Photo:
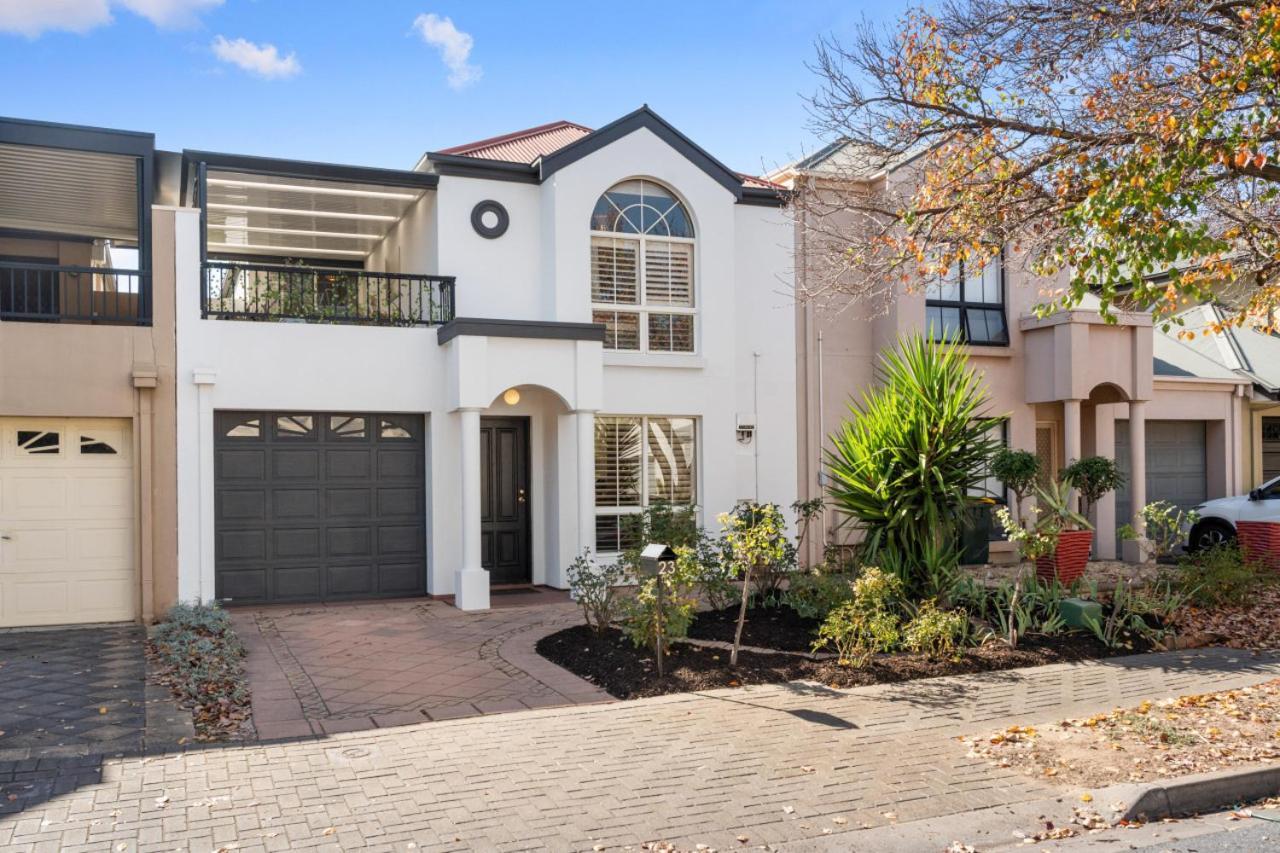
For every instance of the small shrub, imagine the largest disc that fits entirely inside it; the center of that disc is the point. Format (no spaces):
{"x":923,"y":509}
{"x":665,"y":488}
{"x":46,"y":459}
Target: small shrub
{"x":674,"y":525}
{"x":1125,"y":620}
{"x":866,"y":624}
{"x":595,"y":588}
{"x":1031,"y":542}
{"x":201,"y":660}
{"x":856,"y":634}
{"x":1017,"y":470}
{"x":715,"y":575}
{"x":755,"y":539}
{"x":935,"y":633}
{"x":815,"y":593}
{"x":970,"y":595}
{"x":876,"y":590}
{"x":640,"y":614}
{"x":1094,"y":477}
{"x":1166,"y":527}
{"x":1217,"y":575}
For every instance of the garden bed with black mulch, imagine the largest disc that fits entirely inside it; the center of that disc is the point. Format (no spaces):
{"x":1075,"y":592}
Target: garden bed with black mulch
{"x":611,"y":661}
{"x":767,"y":627}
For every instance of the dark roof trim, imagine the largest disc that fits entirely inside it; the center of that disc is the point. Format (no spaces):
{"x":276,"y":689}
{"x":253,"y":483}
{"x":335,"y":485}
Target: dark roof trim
{"x":48,"y":134}
{"x":462,"y":166}
{"x":646,"y":118}
{"x":537,"y":329}
{"x":312,"y":170}
{"x":765,"y":197}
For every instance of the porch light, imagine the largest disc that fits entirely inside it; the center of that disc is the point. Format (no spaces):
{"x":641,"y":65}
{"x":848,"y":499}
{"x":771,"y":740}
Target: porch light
{"x":511,"y":396}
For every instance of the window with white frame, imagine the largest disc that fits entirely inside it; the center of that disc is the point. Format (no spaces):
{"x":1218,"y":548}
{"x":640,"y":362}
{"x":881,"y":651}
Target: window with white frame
{"x":967,"y":304}
{"x":640,"y":461}
{"x":642,"y":269}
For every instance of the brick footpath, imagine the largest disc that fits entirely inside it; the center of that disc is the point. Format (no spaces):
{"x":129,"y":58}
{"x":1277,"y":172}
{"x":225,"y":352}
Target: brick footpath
{"x":775,"y":764}
{"x":326,"y":669}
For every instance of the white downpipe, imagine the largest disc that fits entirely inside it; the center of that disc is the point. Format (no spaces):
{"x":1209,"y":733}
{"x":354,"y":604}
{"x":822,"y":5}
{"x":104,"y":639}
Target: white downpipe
{"x":755,"y":406}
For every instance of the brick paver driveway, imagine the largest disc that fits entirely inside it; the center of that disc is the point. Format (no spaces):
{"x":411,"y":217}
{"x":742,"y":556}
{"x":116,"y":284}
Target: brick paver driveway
{"x":72,"y":691}
{"x":346,"y":667}
{"x":777,"y":765}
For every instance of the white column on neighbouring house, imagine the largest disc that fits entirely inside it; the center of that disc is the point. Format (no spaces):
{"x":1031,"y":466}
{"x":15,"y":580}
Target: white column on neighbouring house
{"x":471,"y":581}
{"x":586,"y":479}
{"x":1137,"y":463}
{"x":1071,"y":437}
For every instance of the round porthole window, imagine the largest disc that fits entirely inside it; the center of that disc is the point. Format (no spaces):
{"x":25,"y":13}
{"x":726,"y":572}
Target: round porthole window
{"x":490,"y":219}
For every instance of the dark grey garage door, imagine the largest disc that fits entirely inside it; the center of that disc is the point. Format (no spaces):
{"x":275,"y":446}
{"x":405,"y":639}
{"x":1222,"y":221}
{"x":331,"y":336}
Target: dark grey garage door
{"x":314,"y":506}
{"x":1175,"y":464}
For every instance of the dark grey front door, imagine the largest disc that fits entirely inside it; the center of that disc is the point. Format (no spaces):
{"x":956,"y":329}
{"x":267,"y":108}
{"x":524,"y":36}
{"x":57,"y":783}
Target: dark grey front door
{"x":504,"y":499}
{"x":318,"y":506}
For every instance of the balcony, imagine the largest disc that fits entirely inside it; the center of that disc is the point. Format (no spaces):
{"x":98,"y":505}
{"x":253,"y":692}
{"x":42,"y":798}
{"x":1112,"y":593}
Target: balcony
{"x":285,"y":292}
{"x":54,"y":293}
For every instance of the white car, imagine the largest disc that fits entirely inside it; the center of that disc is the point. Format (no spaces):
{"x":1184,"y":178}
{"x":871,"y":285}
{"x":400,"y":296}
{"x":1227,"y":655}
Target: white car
{"x":1217,"y":522}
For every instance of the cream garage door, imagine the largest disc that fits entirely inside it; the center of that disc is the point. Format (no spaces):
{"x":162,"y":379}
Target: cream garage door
{"x":67,"y":521}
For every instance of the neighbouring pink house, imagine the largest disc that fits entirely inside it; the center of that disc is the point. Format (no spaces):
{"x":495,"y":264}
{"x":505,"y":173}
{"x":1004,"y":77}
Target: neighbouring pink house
{"x":1069,"y":384}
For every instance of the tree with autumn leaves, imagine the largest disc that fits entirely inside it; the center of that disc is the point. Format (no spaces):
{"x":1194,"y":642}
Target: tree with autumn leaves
{"x":1126,"y":149}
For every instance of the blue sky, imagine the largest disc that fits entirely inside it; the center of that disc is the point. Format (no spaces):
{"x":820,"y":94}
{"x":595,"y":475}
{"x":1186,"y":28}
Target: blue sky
{"x":378,"y":83}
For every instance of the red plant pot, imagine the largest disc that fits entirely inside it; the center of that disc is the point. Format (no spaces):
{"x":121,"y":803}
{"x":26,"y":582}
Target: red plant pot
{"x":1068,"y":560}
{"x":1260,"y":542}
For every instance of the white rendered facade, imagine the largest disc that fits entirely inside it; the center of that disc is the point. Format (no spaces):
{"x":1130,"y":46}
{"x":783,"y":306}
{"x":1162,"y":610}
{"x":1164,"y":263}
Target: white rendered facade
{"x":537,"y":273}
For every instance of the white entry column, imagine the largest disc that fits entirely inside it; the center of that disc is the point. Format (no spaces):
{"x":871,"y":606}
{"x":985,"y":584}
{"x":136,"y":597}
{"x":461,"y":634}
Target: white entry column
{"x":1070,"y":439}
{"x":1135,"y":551}
{"x":586,"y":479}
{"x":471,"y":581}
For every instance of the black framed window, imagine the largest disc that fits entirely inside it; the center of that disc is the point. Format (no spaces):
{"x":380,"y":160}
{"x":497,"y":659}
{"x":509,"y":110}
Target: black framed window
{"x":989,"y":486}
{"x":968,"y":305}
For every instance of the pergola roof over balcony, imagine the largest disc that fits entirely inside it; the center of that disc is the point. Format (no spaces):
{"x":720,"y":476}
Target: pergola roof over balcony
{"x":259,"y":206}
{"x":67,"y":191}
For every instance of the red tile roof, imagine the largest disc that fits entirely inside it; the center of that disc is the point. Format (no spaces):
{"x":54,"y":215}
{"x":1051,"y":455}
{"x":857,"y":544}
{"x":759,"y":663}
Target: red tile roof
{"x":523,"y":146}
{"x":527,"y":146}
{"x":763,"y":183}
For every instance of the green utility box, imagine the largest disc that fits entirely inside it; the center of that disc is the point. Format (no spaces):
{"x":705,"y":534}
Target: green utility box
{"x":1074,"y":611}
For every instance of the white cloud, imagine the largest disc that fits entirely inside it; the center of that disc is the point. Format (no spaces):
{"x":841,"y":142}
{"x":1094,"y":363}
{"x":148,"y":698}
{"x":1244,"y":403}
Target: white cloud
{"x":31,"y":18}
{"x":454,"y":46}
{"x":263,"y":60}
{"x":170,"y":14}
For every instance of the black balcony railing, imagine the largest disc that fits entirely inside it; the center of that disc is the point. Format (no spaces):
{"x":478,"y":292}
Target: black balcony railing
{"x":51,"y":293}
{"x":325,"y":295}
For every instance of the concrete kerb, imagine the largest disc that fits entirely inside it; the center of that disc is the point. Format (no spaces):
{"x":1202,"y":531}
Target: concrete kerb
{"x":1004,"y":826}
{"x":1202,"y":792}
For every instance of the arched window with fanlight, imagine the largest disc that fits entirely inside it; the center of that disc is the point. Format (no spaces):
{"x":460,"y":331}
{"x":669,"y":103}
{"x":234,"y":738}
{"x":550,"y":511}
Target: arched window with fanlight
{"x":642,"y":269}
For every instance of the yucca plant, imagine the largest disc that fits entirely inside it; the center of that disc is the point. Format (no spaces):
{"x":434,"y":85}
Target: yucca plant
{"x":904,"y":462}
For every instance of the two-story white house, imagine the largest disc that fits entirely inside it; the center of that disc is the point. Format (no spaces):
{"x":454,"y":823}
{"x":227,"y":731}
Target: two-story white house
{"x":460,"y":376}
